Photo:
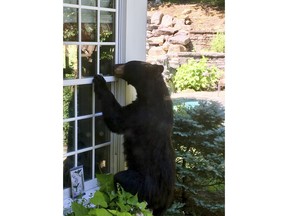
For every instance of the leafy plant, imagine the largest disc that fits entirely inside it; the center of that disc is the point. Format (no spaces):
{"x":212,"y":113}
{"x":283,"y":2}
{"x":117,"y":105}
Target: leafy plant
{"x":199,"y":140}
{"x":196,"y":75}
{"x":108,"y":202}
{"x":218,"y":43}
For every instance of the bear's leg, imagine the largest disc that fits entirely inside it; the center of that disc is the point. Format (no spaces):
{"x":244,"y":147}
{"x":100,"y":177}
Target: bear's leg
{"x":111,"y":109}
{"x":133,"y":182}
{"x":130,"y":180}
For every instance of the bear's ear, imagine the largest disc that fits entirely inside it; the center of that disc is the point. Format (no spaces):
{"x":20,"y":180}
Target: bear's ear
{"x":159,"y":69}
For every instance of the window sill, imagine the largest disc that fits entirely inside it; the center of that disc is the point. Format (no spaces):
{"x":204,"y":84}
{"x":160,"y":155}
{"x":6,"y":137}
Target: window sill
{"x":91,"y":186}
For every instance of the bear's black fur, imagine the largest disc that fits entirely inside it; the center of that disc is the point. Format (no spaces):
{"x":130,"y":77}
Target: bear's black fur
{"x":147,"y":125}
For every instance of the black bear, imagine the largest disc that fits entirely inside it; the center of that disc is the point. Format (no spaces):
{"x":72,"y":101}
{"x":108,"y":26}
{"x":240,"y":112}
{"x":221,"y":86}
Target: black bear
{"x":147,"y":125}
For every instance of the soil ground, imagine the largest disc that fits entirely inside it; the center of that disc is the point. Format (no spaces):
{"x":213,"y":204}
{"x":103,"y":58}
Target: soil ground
{"x":203,"y":17}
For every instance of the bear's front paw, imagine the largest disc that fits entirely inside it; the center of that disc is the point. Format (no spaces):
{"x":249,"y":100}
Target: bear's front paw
{"x":99,"y":84}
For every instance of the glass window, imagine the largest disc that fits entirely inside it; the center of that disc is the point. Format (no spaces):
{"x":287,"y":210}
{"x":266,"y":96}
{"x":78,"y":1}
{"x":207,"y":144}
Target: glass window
{"x":89,"y":48}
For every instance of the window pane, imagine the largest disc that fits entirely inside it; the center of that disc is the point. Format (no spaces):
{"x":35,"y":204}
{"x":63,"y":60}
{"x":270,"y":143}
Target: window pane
{"x":68,"y":163}
{"x":70,"y":24}
{"x":107,"y":3}
{"x":84,"y":100}
{"x":85,"y":159}
{"x":102,"y":133}
{"x":107,"y":56}
{"x":84,"y":133}
{"x":107,"y":26}
{"x":68,"y":101}
{"x":89,"y":60}
{"x":70,"y":63}
{"x":89,"y":25}
{"x":89,"y":2}
{"x":68,"y":136}
{"x":102,"y":156}
{"x":71,"y":1}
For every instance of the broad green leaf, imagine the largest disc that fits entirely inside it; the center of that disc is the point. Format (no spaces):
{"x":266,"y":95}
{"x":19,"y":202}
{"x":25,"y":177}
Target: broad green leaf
{"x":99,"y":199}
{"x":100,"y":212}
{"x":133,"y":200}
{"x":142,"y":205}
{"x":113,"y":212}
{"x":123,"y":207}
{"x":123,"y":214}
{"x":79,"y":210}
{"x":106,"y":182}
{"x":147,"y":212}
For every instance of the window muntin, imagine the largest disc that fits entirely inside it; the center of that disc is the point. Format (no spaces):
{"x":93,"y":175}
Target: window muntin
{"x":89,"y":48}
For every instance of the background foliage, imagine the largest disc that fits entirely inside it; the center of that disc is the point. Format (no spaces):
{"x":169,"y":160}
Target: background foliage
{"x":218,"y":43}
{"x":196,"y":75}
{"x":199,"y":140}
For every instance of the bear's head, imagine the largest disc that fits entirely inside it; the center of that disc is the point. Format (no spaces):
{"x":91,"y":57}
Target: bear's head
{"x":138,"y":73}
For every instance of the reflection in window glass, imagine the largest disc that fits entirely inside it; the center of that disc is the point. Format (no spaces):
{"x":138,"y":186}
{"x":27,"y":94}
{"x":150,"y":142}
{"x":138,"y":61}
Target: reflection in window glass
{"x":70,"y":63}
{"x":89,"y":2}
{"x":71,"y":1}
{"x":102,"y":133}
{"x":84,"y":100}
{"x":68,"y":136}
{"x":107,"y":29}
{"x":89,"y":25}
{"x":68,"y":163}
{"x":85,"y":159}
{"x":84,"y":133}
{"x":102,"y":156}
{"x":70,"y":24}
{"x":68,"y":101}
{"x":89,"y":60}
{"x":107,"y":59}
{"x":107,"y":3}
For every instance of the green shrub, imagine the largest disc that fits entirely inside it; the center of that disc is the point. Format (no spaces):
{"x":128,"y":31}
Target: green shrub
{"x":196,"y":75}
{"x":218,"y":43}
{"x":108,"y":202}
{"x":198,"y":137}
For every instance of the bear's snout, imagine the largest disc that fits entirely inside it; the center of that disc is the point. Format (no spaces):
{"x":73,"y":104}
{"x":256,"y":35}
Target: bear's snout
{"x":119,"y":70}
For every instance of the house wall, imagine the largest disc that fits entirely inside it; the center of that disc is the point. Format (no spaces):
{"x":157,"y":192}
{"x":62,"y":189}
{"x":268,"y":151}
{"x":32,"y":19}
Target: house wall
{"x":132,"y":46}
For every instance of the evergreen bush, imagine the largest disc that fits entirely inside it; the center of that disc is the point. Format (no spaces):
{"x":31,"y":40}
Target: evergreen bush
{"x":198,"y":137}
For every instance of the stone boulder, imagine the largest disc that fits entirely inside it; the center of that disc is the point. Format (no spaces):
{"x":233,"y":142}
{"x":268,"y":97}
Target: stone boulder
{"x":167,"y":21}
{"x":165,"y":31}
{"x":175,"y":48}
{"x":156,"y":17}
{"x":180,"y":39}
{"x":156,"y":41}
{"x":156,"y":51}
